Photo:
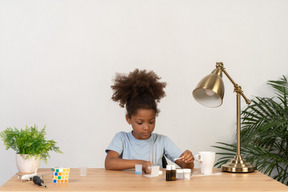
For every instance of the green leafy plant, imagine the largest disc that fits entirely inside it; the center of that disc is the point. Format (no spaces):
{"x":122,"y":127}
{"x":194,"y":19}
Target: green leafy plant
{"x":30,"y":141}
{"x":264,"y":134}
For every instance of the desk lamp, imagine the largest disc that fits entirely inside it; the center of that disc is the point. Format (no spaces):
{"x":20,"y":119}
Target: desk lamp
{"x":210,"y":92}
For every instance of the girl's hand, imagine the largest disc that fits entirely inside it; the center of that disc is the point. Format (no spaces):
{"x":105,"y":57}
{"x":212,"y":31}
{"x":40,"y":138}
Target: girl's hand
{"x":187,"y":157}
{"x":146,"y":166}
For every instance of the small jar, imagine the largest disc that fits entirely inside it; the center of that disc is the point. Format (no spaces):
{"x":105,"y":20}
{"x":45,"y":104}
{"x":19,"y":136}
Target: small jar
{"x":173,"y":172}
{"x":179,"y":174}
{"x":168,"y":172}
{"x":187,"y":174}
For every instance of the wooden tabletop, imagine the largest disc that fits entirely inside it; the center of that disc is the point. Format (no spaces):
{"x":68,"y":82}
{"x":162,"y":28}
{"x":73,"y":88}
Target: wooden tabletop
{"x":99,"y":179}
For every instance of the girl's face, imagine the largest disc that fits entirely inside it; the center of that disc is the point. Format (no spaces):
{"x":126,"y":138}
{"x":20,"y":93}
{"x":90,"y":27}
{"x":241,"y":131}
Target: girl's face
{"x":143,"y":123}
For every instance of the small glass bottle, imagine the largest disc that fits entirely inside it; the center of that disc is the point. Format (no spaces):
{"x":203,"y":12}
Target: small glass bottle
{"x":168,"y":172}
{"x":179,"y":174}
{"x":187,"y":174}
{"x":173,"y":172}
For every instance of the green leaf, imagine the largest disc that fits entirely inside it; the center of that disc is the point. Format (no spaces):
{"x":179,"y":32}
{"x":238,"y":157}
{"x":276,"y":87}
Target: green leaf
{"x":30,"y":141}
{"x":264,"y":134}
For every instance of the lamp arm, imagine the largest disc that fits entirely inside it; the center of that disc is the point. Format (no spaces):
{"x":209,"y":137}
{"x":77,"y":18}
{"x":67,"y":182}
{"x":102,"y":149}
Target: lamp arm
{"x":237,"y":88}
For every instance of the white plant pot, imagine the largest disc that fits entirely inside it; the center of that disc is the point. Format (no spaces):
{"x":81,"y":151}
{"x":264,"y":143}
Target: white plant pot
{"x":29,"y":165}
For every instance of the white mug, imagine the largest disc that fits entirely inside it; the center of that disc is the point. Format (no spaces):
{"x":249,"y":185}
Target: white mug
{"x":206,"y":159}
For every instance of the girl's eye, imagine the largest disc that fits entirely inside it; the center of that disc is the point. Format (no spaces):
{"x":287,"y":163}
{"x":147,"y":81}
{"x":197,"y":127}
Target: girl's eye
{"x":139,"y":123}
{"x":152,"y":122}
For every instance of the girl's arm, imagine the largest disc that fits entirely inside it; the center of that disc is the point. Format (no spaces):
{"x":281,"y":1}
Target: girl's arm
{"x":113,"y":162}
{"x":187,"y":160}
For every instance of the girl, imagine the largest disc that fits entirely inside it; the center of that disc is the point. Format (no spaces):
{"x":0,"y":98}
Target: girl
{"x":139,"y":93}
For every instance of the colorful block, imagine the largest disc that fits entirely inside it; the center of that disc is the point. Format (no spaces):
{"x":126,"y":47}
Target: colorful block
{"x":60,"y":175}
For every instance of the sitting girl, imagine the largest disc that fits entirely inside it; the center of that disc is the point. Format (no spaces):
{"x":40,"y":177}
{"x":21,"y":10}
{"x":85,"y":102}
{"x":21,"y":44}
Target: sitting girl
{"x":139,"y":93}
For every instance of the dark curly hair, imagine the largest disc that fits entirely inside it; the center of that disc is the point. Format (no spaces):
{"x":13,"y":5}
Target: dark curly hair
{"x":138,"y":90}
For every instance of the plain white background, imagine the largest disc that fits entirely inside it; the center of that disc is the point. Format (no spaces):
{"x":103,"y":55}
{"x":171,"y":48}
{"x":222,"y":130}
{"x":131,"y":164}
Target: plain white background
{"x":58,"y":59}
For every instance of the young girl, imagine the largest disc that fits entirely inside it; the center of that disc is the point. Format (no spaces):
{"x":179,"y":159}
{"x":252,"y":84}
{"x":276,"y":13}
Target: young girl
{"x":139,"y":93}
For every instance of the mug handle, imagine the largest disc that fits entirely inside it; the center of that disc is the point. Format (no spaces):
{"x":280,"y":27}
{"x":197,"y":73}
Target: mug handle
{"x":198,"y":157}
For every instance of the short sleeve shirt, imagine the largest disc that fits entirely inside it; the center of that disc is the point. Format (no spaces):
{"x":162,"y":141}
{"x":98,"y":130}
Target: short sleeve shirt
{"x":152,"y":149}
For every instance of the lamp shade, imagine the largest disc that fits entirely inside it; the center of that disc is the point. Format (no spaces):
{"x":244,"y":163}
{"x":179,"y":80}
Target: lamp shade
{"x":210,"y":90}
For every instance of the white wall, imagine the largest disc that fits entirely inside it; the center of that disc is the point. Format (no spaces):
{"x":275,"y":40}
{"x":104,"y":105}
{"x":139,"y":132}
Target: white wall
{"x":58,"y":59}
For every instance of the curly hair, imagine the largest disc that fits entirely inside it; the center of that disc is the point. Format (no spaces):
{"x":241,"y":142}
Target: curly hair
{"x":138,"y":90}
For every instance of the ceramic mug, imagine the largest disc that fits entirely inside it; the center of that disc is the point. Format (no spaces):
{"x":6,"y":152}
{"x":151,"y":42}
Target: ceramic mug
{"x":206,"y":159}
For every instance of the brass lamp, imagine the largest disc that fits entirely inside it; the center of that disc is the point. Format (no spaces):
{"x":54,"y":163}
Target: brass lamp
{"x":210,"y":92}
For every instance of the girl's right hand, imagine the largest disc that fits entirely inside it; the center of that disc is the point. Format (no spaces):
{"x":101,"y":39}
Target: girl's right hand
{"x":146,"y":166}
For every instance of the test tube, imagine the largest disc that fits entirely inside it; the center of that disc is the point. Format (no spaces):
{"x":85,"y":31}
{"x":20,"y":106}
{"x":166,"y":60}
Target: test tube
{"x":138,"y":169}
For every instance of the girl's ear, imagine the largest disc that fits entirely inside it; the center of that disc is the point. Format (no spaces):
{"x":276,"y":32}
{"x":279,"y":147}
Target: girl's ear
{"x":128,"y":119}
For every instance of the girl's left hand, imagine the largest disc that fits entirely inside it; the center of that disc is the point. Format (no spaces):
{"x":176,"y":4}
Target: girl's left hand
{"x":187,"y":156}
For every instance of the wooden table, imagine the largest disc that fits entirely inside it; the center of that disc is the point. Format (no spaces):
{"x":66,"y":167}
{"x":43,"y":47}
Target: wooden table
{"x":99,"y":179}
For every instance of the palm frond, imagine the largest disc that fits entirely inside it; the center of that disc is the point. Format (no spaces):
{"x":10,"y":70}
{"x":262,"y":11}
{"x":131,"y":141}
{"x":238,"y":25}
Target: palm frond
{"x":264,"y":134}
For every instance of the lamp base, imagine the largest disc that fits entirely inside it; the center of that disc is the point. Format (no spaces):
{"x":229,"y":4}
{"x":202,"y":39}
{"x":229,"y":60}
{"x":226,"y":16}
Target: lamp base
{"x":238,"y":165}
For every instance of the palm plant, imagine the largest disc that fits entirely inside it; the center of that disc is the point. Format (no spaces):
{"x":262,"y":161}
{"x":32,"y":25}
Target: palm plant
{"x":264,"y":134}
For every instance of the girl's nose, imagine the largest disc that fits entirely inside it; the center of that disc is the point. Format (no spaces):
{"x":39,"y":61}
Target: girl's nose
{"x":146,"y":127}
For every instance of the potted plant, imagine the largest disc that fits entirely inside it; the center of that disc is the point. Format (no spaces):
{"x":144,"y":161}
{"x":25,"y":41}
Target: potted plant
{"x":264,"y":134}
{"x":30,"y":145}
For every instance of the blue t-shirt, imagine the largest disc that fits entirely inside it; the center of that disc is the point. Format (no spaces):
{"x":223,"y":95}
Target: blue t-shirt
{"x":152,"y":149}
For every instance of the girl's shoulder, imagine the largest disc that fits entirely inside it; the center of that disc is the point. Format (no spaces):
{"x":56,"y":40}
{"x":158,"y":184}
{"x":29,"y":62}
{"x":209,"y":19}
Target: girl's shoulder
{"x":127,"y":136}
{"x":122,"y":134}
